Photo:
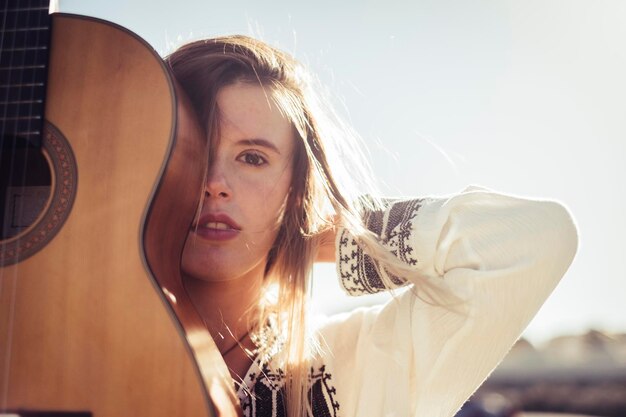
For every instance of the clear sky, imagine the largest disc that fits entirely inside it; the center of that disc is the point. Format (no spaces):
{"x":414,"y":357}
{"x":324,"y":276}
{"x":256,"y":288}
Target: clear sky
{"x":525,"y":97}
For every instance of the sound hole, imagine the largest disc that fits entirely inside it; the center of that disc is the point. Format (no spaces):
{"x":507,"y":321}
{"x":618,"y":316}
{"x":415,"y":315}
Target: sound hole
{"x":38,"y":190}
{"x":25,"y":185}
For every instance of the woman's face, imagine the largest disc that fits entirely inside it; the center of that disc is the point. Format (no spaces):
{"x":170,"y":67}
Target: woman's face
{"x":246,"y":190}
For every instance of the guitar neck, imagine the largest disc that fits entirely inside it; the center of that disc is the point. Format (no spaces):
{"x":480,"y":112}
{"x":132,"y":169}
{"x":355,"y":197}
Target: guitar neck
{"x":24,"y":51}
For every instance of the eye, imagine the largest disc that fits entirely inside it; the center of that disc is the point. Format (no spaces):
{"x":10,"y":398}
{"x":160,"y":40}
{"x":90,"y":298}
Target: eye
{"x":252,"y":158}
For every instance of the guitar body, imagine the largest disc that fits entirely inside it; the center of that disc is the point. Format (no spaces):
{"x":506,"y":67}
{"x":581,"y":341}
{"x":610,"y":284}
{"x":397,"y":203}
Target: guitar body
{"x":97,"y":319}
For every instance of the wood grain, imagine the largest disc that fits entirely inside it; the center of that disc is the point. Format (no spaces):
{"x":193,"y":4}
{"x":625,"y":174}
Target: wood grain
{"x":82,"y":324}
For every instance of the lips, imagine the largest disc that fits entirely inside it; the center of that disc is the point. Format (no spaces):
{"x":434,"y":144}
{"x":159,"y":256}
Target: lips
{"x":216,"y":226}
{"x":217,"y":221}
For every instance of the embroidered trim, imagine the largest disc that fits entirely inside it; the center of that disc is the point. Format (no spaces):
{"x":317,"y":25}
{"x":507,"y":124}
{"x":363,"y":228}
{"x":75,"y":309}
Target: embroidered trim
{"x":358,"y":272}
{"x":263,"y":393}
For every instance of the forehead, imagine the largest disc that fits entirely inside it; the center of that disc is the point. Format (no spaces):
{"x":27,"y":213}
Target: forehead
{"x":249,"y":111}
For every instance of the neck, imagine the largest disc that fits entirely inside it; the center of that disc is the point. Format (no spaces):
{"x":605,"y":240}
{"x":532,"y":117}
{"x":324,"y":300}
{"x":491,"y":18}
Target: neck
{"x":227,"y":307}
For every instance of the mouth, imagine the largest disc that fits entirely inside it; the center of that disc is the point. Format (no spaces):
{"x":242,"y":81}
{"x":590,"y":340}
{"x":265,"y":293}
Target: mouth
{"x":216,"y":226}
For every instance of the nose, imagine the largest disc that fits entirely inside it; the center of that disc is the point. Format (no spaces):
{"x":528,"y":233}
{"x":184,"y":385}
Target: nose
{"x":216,"y":185}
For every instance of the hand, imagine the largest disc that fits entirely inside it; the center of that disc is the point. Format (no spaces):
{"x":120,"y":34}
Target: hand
{"x":326,"y":248}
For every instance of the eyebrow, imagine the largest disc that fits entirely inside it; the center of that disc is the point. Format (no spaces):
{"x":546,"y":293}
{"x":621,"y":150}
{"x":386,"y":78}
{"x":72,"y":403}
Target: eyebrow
{"x":259,"y":142}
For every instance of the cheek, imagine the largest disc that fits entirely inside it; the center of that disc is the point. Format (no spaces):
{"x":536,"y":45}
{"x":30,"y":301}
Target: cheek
{"x":268,"y":194}
{"x":269,"y":205}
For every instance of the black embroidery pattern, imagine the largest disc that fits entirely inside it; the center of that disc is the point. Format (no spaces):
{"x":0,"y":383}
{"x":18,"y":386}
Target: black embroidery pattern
{"x":394,"y":225}
{"x":399,"y":228}
{"x":322,"y":394}
{"x":265,"y":394}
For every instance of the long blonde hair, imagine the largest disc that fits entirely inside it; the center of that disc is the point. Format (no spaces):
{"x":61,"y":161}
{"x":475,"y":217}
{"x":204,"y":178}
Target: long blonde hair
{"x":326,"y":160}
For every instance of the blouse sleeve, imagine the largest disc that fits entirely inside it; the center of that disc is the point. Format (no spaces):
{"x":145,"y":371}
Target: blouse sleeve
{"x":503,"y":255}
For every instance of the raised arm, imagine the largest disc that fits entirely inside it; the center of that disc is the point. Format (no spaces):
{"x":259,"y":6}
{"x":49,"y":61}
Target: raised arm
{"x":502,"y":254}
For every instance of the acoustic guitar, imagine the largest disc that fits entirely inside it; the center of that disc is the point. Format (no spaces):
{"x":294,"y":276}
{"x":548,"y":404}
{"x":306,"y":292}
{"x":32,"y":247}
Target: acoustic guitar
{"x":102,"y":165}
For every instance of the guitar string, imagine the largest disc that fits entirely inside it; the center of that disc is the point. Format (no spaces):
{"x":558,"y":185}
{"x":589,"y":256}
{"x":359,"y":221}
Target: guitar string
{"x":5,"y":376}
{"x":9,"y":71}
{"x":10,"y":76}
{"x":13,"y":278}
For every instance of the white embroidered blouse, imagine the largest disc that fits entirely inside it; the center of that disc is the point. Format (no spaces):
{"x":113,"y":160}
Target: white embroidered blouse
{"x":503,"y":254}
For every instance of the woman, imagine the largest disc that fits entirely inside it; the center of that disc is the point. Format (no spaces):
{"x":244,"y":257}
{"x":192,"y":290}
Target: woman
{"x":479,"y":264}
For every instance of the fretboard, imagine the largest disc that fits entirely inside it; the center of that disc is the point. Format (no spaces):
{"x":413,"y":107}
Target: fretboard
{"x":24,"y":43}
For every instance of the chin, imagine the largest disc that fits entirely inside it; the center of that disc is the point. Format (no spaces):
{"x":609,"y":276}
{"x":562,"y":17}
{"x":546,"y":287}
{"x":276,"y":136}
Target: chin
{"x":222,"y":270}
{"x":207,"y":273}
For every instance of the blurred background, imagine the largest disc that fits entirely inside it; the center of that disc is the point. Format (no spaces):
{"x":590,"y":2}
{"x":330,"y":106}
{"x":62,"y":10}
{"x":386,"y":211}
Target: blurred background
{"x":524,"y":97}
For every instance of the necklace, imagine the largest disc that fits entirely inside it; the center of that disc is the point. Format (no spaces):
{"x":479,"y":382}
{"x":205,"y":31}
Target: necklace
{"x":237,"y":343}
